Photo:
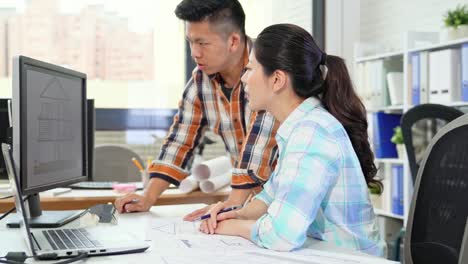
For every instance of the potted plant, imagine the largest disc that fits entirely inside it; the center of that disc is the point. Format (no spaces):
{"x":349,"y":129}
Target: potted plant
{"x":375,"y":191}
{"x":456,"y":23}
{"x":397,"y":139}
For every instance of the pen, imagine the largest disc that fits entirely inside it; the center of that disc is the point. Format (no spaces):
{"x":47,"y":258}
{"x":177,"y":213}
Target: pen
{"x":227,"y":209}
{"x":137,"y":163}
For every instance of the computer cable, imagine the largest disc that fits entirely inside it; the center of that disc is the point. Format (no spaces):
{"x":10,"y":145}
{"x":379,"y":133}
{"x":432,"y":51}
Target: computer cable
{"x":7,"y":213}
{"x":14,"y":257}
{"x":20,"y":257}
{"x":12,"y":209}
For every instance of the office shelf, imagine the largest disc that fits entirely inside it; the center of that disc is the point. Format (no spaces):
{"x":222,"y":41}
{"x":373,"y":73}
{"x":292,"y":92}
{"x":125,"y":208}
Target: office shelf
{"x":438,"y":46}
{"x":387,"y":109}
{"x":390,"y":161}
{"x":379,"y":56}
{"x":388,"y":214}
{"x":398,"y":61}
{"x":458,"y":104}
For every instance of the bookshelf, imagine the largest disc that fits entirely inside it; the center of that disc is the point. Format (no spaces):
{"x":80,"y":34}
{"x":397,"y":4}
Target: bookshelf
{"x":377,"y":97}
{"x":380,"y":56}
{"x":387,"y":214}
{"x":390,"y":161}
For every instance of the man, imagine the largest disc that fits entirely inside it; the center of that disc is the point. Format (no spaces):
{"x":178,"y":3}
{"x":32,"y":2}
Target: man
{"x":213,"y":99}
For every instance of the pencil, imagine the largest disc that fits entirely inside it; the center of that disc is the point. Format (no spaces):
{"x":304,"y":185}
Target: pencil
{"x":137,"y":163}
{"x":148,"y":162}
{"x":247,"y":200}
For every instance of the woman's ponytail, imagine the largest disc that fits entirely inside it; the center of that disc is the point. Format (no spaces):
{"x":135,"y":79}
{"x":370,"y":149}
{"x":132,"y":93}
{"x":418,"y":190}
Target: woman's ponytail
{"x":341,"y":100}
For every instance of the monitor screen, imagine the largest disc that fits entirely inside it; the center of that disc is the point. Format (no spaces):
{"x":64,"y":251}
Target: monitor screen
{"x":4,"y":123}
{"x":52,"y":125}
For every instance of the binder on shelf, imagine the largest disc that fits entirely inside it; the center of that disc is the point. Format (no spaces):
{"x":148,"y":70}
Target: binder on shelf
{"x":386,"y":195}
{"x":383,"y":125}
{"x":464,"y":70}
{"x":395,"y":87}
{"x":409,"y":82}
{"x":397,"y":189}
{"x":424,"y":77}
{"x":415,"y":85}
{"x":363,"y":84}
{"x":377,"y":84}
{"x":444,"y":76}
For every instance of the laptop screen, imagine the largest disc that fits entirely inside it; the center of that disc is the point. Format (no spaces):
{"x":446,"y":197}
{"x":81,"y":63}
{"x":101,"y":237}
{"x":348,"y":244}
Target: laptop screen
{"x":18,"y":197}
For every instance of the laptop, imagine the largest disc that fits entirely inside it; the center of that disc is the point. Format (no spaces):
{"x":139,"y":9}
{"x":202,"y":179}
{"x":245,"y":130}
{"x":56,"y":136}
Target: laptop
{"x":66,"y":243}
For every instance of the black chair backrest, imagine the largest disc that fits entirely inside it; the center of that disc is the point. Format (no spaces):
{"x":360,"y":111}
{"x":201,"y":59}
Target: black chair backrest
{"x":439,"y":208}
{"x":417,"y":113}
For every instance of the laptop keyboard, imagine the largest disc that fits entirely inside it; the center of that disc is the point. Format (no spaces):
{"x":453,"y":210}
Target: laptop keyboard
{"x":70,"y":239}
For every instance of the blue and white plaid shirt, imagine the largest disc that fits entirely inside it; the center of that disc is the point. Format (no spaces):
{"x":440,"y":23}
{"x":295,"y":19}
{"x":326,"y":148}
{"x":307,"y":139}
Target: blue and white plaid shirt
{"x":317,"y":189}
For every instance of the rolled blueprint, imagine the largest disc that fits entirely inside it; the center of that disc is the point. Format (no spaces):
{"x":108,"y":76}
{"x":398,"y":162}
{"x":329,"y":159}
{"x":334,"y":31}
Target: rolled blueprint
{"x":212,"y":168}
{"x":213,"y":184}
{"x":189,"y":184}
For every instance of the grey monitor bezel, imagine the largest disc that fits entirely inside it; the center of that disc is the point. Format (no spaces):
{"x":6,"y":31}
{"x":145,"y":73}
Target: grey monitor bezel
{"x":20,"y":146}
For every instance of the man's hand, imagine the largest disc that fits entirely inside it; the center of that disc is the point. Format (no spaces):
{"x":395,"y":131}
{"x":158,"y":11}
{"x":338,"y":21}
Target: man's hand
{"x":132,"y":202}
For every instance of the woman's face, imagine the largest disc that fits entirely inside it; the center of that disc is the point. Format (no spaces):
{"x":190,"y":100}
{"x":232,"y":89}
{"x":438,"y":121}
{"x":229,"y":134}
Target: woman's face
{"x":258,"y":86}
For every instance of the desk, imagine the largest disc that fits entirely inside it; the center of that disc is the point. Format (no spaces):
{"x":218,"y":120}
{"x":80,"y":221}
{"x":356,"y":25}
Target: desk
{"x":140,"y":225}
{"x":83,"y":199}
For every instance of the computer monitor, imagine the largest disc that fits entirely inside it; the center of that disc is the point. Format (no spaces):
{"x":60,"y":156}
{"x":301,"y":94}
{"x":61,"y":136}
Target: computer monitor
{"x":4,"y":134}
{"x":91,"y":114}
{"x":49,"y":133}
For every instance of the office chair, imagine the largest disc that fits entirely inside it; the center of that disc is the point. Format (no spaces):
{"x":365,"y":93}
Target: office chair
{"x":437,"y":228}
{"x":114,"y":163}
{"x":417,"y":113}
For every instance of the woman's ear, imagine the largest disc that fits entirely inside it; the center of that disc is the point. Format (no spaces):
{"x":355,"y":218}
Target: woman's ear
{"x":279,"y":79}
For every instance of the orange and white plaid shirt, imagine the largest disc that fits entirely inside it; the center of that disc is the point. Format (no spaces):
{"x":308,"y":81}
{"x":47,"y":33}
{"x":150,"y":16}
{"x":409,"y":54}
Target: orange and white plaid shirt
{"x":249,"y":136}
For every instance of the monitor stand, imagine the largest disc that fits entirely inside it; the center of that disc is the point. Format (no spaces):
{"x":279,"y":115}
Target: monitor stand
{"x":48,"y":219}
{"x":45,"y":219}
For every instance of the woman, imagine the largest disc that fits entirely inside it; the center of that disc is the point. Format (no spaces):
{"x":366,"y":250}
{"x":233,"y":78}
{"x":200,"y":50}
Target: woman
{"x":319,"y":187}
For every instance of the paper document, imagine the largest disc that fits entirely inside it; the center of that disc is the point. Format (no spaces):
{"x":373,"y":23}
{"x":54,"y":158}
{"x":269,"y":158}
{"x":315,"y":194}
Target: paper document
{"x":212,"y":168}
{"x":213,"y":184}
{"x":188,"y":184}
{"x":174,"y":226}
{"x":175,"y":241}
{"x":264,"y":256}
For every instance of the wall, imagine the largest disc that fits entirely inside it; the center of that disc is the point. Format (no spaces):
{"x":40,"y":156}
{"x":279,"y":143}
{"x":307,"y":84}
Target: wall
{"x":386,"y":21}
{"x":342,"y":28}
{"x":262,"y":13}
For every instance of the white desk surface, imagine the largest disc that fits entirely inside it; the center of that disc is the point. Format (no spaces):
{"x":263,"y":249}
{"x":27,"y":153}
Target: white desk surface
{"x":78,"y":199}
{"x":140,"y":223}
{"x":5,"y":191}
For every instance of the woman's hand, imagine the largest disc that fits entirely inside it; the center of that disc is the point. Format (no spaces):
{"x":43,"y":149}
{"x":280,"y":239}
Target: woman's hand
{"x":235,"y":227}
{"x":209,"y":225}
{"x":198,"y":213}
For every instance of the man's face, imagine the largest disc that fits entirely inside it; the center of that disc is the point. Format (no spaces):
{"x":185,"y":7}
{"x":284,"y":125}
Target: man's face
{"x":208,"y":48}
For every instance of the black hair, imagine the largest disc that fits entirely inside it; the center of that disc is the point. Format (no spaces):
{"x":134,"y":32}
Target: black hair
{"x":292,"y":49}
{"x":226,"y":15}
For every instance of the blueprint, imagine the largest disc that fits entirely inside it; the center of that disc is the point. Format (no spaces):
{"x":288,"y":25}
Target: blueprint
{"x":175,"y":241}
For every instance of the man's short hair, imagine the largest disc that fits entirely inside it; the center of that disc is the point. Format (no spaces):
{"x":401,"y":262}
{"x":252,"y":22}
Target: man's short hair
{"x":226,"y":15}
